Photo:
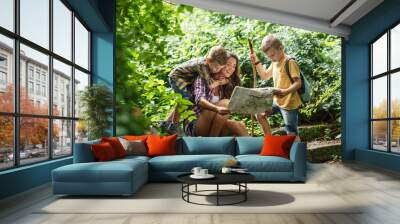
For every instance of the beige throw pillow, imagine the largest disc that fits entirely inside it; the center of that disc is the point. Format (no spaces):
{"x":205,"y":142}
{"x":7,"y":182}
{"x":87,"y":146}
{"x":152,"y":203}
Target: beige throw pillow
{"x":135,"y":147}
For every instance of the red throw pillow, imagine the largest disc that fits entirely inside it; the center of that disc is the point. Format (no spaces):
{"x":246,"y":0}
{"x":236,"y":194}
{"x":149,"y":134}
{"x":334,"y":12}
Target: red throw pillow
{"x":116,"y":145}
{"x":161,"y":145}
{"x":277,"y":145}
{"x":103,"y":151}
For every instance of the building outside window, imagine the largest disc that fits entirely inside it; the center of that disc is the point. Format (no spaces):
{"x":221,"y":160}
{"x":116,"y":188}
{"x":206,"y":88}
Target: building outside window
{"x":59,"y":133}
{"x":3,"y":71}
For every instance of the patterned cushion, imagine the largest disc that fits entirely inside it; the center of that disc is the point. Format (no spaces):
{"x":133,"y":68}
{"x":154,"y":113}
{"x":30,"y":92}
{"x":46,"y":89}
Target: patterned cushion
{"x":134,"y":147}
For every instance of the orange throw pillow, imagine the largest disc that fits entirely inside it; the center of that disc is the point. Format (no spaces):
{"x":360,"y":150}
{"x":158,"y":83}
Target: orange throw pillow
{"x":277,"y":145}
{"x":103,"y":151}
{"x":161,"y":145}
{"x":116,"y":145}
{"x":136,"y":137}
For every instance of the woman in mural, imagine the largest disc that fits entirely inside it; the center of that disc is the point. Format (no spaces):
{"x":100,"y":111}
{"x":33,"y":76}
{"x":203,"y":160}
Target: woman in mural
{"x":211,"y":103}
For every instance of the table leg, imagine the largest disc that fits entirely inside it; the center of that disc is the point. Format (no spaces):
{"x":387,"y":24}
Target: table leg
{"x":182,"y":188}
{"x":188,"y":190}
{"x":245,"y":193}
{"x":217,"y":194}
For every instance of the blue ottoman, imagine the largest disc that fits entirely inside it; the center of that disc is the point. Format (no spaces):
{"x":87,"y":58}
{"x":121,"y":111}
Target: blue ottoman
{"x":118,"y":177}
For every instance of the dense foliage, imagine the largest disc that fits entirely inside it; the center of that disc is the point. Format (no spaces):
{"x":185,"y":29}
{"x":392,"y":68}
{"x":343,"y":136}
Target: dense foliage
{"x":96,"y":104}
{"x":154,"y":36}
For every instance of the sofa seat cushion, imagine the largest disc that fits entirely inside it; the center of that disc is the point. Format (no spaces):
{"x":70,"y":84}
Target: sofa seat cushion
{"x":185,"y":163}
{"x":257,"y":163}
{"x":112,"y":171}
{"x":134,"y":157}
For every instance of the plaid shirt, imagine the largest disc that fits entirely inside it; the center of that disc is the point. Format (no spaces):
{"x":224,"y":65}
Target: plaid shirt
{"x":185,"y":74}
{"x":200,"y":91}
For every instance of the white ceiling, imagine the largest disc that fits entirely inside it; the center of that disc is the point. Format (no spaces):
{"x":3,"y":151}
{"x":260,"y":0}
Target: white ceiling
{"x":314,"y":15}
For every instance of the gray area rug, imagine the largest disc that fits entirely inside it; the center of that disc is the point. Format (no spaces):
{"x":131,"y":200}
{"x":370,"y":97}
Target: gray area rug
{"x":166,"y":198}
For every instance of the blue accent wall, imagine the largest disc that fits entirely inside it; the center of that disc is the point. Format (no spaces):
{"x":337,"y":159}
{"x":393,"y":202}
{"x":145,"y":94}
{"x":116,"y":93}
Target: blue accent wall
{"x":99,"y":16}
{"x":103,"y":64}
{"x":91,"y":12}
{"x":355,"y":96}
{"x":24,"y":178}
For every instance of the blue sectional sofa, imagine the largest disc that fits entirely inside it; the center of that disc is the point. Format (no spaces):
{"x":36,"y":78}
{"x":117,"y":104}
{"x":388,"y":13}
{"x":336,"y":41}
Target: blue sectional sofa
{"x":125,"y":176}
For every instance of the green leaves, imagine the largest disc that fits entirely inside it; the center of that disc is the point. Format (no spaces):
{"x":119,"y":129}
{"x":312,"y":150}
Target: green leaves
{"x":96,"y":102}
{"x":153,"y":37}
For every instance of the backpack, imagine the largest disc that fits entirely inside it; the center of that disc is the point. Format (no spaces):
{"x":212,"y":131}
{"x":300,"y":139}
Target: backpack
{"x":304,"y":90}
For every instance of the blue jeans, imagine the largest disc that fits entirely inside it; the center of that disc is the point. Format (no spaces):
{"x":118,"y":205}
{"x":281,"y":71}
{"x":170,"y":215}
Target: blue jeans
{"x":290,"y":118}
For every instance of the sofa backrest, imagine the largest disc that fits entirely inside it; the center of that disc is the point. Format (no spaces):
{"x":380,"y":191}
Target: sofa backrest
{"x":249,"y":145}
{"x":83,"y":152}
{"x":190,"y":146}
{"x":206,"y":145}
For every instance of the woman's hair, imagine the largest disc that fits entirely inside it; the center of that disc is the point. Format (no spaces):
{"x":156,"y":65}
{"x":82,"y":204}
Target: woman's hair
{"x":234,"y":79}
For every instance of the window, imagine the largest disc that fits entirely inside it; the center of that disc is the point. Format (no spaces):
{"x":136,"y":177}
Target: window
{"x":33,"y":147}
{"x":34,"y":21}
{"x":81,"y":45}
{"x":6,"y":73}
{"x":40,"y":62}
{"x":3,"y":61}
{"x":395,"y":47}
{"x":62,"y":137}
{"x":3,"y":78}
{"x":55,"y":100}
{"x":44,"y":77}
{"x":38,"y":89}
{"x":44,"y":91}
{"x":30,"y":72}
{"x":62,"y":31}
{"x":385,"y":96}
{"x":81,"y":81}
{"x":62,"y":74}
{"x":37,"y":74}
{"x":6,"y":142}
{"x":3,"y":72}
{"x":30,"y":87}
{"x":7,"y":14}
{"x":47,"y":74}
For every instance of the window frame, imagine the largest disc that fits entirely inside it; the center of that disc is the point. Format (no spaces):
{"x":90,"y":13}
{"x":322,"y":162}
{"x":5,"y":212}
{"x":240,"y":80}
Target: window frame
{"x":388,"y":74}
{"x":16,"y":114}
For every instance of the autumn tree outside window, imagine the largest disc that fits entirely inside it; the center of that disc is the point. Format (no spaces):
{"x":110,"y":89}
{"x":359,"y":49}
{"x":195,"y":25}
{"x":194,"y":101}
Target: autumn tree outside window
{"x":44,"y":64}
{"x":385,"y":95}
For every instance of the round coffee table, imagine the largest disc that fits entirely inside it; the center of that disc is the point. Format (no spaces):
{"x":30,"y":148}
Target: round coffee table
{"x":238,"y":179}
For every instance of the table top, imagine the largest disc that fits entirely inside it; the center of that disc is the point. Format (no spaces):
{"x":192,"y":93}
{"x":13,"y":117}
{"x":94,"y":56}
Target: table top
{"x":220,"y":178}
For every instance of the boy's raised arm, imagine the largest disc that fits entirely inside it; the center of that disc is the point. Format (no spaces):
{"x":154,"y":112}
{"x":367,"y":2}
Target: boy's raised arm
{"x":264,"y":74}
